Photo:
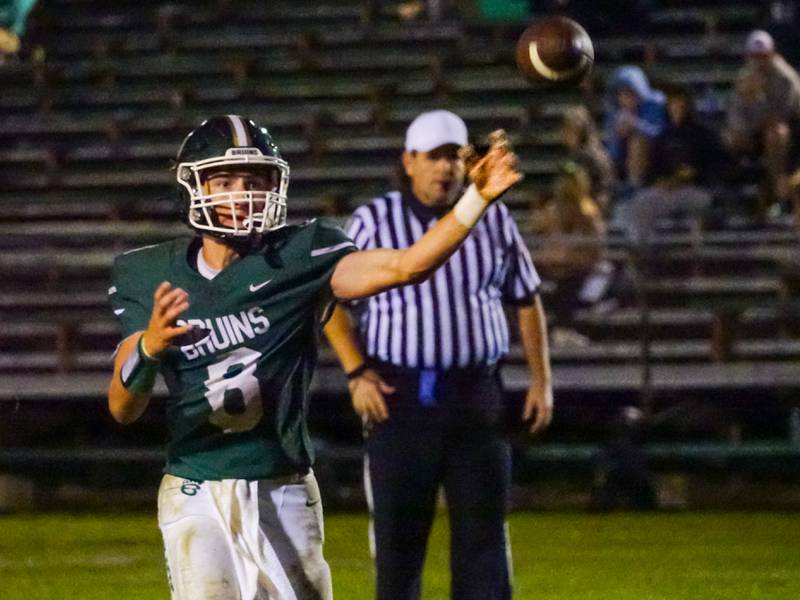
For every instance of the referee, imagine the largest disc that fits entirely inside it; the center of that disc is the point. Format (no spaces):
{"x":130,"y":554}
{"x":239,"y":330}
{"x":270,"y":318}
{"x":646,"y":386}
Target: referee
{"x":422,"y":368}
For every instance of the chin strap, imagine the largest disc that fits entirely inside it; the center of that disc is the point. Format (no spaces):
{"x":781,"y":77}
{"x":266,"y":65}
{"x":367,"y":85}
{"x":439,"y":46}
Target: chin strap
{"x":245,"y":245}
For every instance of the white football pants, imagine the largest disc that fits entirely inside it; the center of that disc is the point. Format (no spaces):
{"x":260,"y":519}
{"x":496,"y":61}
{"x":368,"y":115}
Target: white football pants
{"x":244,"y":540}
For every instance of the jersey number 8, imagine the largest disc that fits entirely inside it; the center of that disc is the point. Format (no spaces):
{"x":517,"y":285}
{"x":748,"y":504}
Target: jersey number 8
{"x":233,"y":391}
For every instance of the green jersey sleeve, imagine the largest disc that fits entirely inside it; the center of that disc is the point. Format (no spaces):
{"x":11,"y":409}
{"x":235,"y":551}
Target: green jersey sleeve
{"x":329,"y":244}
{"x":128,"y":308}
{"x":134,"y":278}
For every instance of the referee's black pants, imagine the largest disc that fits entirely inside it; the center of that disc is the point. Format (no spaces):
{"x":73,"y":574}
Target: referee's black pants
{"x":448,"y":433}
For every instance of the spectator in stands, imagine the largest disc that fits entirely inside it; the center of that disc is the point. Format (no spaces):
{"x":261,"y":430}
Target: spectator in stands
{"x":794,"y":185}
{"x":687,"y":160}
{"x":413,"y":10}
{"x":764,"y":111}
{"x":634,"y":117}
{"x":781,"y":19}
{"x":576,"y":263}
{"x":9,"y":44}
{"x":422,"y":368}
{"x":580,"y":137}
{"x":13,"y":17}
{"x":503,"y":11}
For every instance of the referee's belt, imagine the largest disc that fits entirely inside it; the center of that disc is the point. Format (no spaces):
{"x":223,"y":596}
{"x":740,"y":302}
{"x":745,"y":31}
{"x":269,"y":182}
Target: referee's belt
{"x":452,"y":372}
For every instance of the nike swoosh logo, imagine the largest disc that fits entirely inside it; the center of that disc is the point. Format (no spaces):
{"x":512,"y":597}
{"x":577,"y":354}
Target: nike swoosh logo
{"x":255,"y":288}
{"x":310,"y":504}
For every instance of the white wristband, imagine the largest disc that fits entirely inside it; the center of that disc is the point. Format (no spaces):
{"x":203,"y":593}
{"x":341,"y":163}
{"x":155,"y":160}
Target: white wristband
{"x":470,"y":207}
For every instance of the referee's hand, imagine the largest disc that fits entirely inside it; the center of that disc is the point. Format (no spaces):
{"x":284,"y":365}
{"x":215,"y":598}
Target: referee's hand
{"x":367,"y":394}
{"x":538,"y":409}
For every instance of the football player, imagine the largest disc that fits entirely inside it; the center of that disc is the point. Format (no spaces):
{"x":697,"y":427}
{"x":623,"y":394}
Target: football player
{"x":230,"y":317}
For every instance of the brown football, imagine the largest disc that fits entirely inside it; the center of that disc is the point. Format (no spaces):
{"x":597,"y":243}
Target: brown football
{"x":554,"y":50}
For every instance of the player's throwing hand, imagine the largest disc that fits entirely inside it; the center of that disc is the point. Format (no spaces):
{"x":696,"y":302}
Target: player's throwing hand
{"x":168,"y":304}
{"x":497,"y":171}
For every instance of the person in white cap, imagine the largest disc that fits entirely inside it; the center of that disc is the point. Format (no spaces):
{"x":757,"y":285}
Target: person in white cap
{"x":764,"y":111}
{"x":422,"y":370}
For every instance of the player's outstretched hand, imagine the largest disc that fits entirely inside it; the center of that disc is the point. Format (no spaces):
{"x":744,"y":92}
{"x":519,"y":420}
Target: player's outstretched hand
{"x":168,"y":303}
{"x":497,"y":171}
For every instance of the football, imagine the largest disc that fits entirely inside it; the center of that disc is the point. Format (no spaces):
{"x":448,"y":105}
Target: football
{"x":191,"y":337}
{"x":554,"y":50}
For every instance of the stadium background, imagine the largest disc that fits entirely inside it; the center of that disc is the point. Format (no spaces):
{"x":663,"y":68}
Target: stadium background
{"x":94,"y":108}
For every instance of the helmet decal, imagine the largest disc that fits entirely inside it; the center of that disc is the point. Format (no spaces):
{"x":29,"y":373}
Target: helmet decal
{"x":239,"y":131}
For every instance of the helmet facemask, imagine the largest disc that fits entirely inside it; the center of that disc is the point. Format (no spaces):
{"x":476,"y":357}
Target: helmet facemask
{"x":261,"y":210}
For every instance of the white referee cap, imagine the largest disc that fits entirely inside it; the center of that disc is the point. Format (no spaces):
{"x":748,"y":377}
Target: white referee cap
{"x":759,"y":42}
{"x":435,"y":128}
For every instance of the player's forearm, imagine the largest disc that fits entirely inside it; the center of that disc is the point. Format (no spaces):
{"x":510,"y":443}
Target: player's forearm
{"x":371,"y":272}
{"x":340,"y":336}
{"x":533,"y":331}
{"x":431,"y":251}
{"x":126,"y":405}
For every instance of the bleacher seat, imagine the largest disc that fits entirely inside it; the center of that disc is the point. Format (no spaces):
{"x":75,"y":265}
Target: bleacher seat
{"x":87,"y":135}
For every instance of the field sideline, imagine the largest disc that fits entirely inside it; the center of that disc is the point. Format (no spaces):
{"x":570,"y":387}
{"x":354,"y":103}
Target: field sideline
{"x":557,"y":556}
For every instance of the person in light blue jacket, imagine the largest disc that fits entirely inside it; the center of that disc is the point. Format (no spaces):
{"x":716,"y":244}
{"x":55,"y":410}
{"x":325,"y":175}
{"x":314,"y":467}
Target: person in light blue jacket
{"x":635,"y":115}
{"x":13,"y":16}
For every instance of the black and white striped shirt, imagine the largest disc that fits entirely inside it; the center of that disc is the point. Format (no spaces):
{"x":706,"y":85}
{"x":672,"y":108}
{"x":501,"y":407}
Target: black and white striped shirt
{"x":455,"y":318}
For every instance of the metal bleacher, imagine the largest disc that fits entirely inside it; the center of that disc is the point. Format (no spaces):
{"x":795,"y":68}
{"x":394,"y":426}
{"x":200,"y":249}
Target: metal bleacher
{"x":89,"y":125}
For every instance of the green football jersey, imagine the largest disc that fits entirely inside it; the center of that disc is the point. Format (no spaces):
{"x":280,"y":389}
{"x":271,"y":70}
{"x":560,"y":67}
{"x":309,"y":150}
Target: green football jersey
{"x":238,"y":397}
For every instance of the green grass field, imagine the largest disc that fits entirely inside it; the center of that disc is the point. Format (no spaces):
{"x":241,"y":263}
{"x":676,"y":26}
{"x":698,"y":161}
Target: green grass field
{"x":697,"y":556}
